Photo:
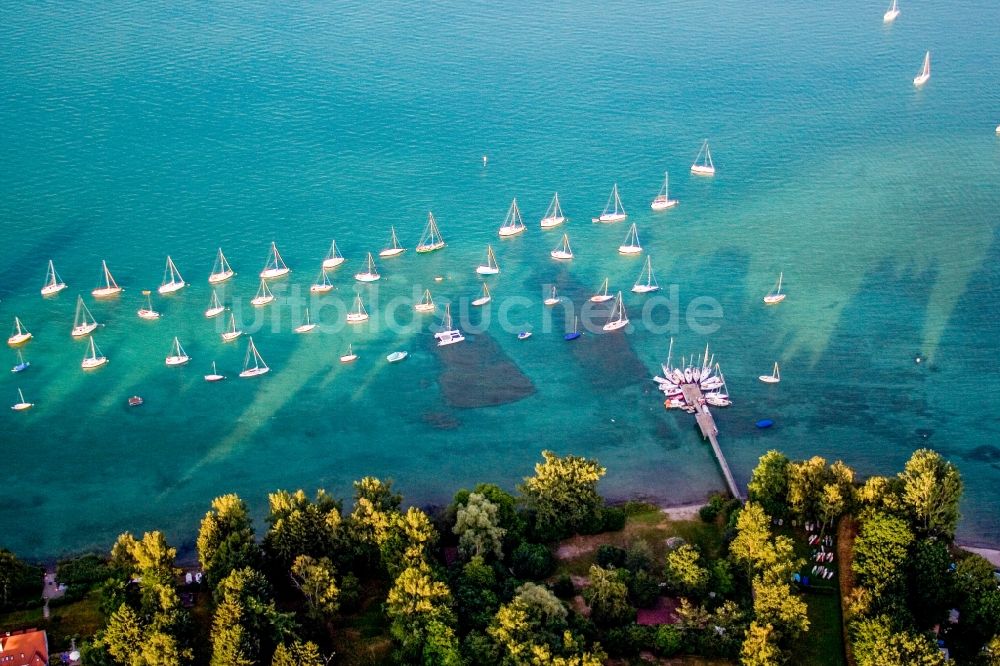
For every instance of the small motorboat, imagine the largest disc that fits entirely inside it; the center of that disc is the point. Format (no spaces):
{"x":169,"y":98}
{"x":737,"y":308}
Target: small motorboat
{"x":135,"y":401}
{"x":396,"y":357}
{"x":764,"y":423}
{"x":524,"y":335}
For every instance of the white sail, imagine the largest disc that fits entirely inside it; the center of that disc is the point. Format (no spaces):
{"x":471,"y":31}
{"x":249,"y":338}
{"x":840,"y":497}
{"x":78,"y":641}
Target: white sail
{"x":253,"y":362}
{"x":775,"y":295}
{"x":553,"y":214}
{"x":53,"y":283}
{"x":703,"y":165}
{"x":613,"y":210}
{"x":370,"y":274}
{"x":772,"y":378}
{"x":322,"y":284}
{"x":891,"y":13}
{"x":221,"y":270}
{"x":333,"y":257}
{"x":110,"y":287}
{"x":359,"y":313}
{"x":83,"y":321}
{"x":93,"y":358}
{"x":426,"y":304}
{"x":562,"y":252}
{"x":512,"y":223}
{"x":553,"y":298}
{"x":925,"y":71}
{"x":19,"y":335}
{"x":431,"y":239}
{"x":618,"y":317}
{"x":215,"y":307}
{"x":490,"y":267}
{"x":264,"y":295}
{"x":172,"y":280}
{"x":631,"y":244}
{"x":275,"y":266}
{"x":647,"y":281}
{"x":177,"y":355}
{"x":602,"y":294}
{"x":393,"y":248}
{"x":663,"y":200}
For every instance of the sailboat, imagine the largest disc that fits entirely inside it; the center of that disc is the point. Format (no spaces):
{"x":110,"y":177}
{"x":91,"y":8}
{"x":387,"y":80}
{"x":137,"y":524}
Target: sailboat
{"x":53,"y":283}
{"x":646,"y":281}
{"x":307,"y":326}
{"x":264,"y":295}
{"x":575,"y":333}
{"x":370,"y":274}
{"x":333,"y":257}
{"x":512,"y":224}
{"x":553,"y":298}
{"x":775,"y":296}
{"x":146,"y":312}
{"x":322,"y":284}
{"x":663,"y":200}
{"x":20,"y":334}
{"x":83,"y":322}
{"x":359,"y":314}
{"x":22,"y":404}
{"x":925,"y":72}
{"x":221,"y":270}
{"x":448,"y":335}
{"x":426,"y":304}
{"x":431,"y":239}
{"x":618,"y":318}
{"x":562,"y":252}
{"x":394,"y":248}
{"x":553,"y":214}
{"x":491,"y":267}
{"x":892,"y":13}
{"x":232,"y":332}
{"x":175,"y":281}
{"x":613,"y":210}
{"x":772,"y":378}
{"x":349,"y":356}
{"x":631,"y":244}
{"x":177,"y":355}
{"x":93,"y":358}
{"x":110,"y":287}
{"x":215,"y":307}
{"x":602,"y":294}
{"x":484,"y":298}
{"x":275,"y":266}
{"x":214,"y":376}
{"x":21,"y":364}
{"x":703,"y":165}
{"x":258,"y":367}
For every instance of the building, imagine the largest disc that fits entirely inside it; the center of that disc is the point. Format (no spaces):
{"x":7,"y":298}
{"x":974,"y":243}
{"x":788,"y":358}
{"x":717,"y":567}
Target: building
{"x":29,"y":647}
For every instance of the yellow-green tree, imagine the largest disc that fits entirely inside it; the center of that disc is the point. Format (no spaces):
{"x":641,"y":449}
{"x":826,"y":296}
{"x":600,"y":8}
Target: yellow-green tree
{"x":226,"y":539}
{"x":562,"y":495}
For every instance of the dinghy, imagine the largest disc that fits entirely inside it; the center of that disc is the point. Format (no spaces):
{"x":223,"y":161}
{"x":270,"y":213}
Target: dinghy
{"x":177,"y":355}
{"x":275,"y":266}
{"x":631,"y":244}
{"x":663,"y":200}
{"x":553,"y":214}
{"x":562,"y":252}
{"x":307,"y":326}
{"x":333,"y":257}
{"x":370,"y":274}
{"x":431,"y":239}
{"x":253,"y":363}
{"x":359,"y":314}
{"x":147,"y":312}
{"x":646,"y":281}
{"x":221,"y":270}
{"x":613,"y":210}
{"x":426,"y":304}
{"x":602,"y":294}
{"x":393,"y":248}
{"x":524,"y":335}
{"x":703,"y":165}
{"x":83,"y":321}
{"x":19,"y":335}
{"x":512,"y":224}
{"x":215,"y":307}
{"x":618,"y":317}
{"x":491,"y":267}
{"x":53,"y":283}
{"x":172,"y":280}
{"x":93,"y":358}
{"x":264,"y":295}
{"x":110,"y":287}
{"x":232,"y":332}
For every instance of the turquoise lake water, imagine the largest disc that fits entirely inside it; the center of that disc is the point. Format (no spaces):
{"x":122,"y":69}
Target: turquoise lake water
{"x":132,"y":130}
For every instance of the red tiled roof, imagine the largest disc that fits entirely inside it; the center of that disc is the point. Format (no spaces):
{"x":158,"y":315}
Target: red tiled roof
{"x":25,"y":648}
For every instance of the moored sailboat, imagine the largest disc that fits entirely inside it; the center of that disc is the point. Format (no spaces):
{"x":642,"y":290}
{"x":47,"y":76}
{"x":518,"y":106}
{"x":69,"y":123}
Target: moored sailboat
{"x":214,"y":376}
{"x":491,"y":267}
{"x":177,"y":355}
{"x":275,"y":266}
{"x":53,"y":283}
{"x":19,"y":335}
{"x":110,"y":287}
{"x":359,"y":314}
{"x":264,"y":295}
{"x":94,"y":358}
{"x":426,"y":303}
{"x":553,"y":214}
{"x":370,"y":274}
{"x":333,"y":257}
{"x":891,"y":13}
{"x":663,"y":200}
{"x":215,"y":307}
{"x":83,"y":321}
{"x":646,"y":281}
{"x":618,"y":317}
{"x":232,"y":332}
{"x":307,"y":326}
{"x":553,"y":298}
{"x":448,"y":335}
{"x":22,"y":404}
{"x":575,"y":333}
{"x":775,"y":295}
{"x":322,"y":284}
{"x":613,"y":210}
{"x":431,"y":239}
{"x":631,"y":243}
{"x":253,"y":362}
{"x":602,"y":294}
{"x":703,"y":164}
{"x":512,"y":224}
{"x":147,"y":312}
{"x":925,"y":72}
{"x":21,"y":364}
{"x":393,"y":248}
{"x":484,"y":297}
{"x":350,"y":356}
{"x":772,"y":378}
{"x":221,"y":270}
{"x":562,"y":252}
{"x":172,"y":280}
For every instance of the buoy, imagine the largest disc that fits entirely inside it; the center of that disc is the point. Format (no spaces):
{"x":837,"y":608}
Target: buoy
{"x":765,"y":423}
{"x":484,"y":160}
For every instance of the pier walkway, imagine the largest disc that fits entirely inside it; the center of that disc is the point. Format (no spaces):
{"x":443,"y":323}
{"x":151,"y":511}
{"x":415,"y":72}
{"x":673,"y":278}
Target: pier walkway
{"x":694,"y":398}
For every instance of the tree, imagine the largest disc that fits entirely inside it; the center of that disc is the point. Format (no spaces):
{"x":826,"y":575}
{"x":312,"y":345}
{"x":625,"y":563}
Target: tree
{"x":776,"y":605}
{"x":832,"y":504}
{"x":607,"y":596}
{"x":18,"y":580}
{"x":315,"y":579}
{"x":300,"y":526}
{"x":880,"y":552}
{"x":297,"y":654}
{"x":562,"y":495}
{"x":246,"y":620}
{"x":415,"y":602}
{"x":978,"y":602}
{"x":930,"y":582}
{"x":123,"y":635}
{"x":407,"y":540}
{"x":769,"y":483}
{"x":932,"y":488}
{"x":752,"y":544}
{"x":226,"y":539}
{"x":478,"y":529}
{"x":882,"y":494}
{"x":475,"y":594}
{"x":376,"y":507}
{"x":878,"y":643}
{"x":760,"y":648}
{"x":806,"y":479}
{"x":685,"y":575}
{"x":441,"y":646}
{"x":533,"y":618}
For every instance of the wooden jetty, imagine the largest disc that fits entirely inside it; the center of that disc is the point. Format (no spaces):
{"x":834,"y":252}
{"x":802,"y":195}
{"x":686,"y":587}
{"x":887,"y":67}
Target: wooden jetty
{"x":694,"y":398}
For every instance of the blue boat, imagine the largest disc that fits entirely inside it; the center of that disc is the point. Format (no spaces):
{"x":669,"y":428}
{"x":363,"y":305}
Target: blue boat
{"x":575,"y":333}
{"x":765,"y":423}
{"x":22,"y":365}
{"x":524,"y":335}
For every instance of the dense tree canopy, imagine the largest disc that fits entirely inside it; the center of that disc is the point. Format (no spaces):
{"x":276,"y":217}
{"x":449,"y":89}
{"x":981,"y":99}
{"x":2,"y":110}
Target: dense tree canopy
{"x":768,"y":486}
{"x":300,"y":526}
{"x":226,"y":539}
{"x":562,"y":495}
{"x":685,"y":573}
{"x":932,"y":488}
{"x":477,"y":524}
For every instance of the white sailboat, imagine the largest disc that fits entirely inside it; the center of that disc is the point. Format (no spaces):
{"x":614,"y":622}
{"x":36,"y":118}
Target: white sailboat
{"x":426,"y":304}
{"x":177,"y":355}
{"x":19,"y":335}
{"x":775,"y":296}
{"x":663,"y":200}
{"x":359,"y":314}
{"x":172,"y":280}
{"x":83,"y":321}
{"x":703,"y":165}
{"x":394,"y":248}
{"x":333,"y":257}
{"x":553,"y":298}
{"x":322,"y":284}
{"x":110,"y":287}
{"x":145,"y":312}
{"x":602,"y":294}
{"x":613,"y":210}
{"x":215,"y":307}
{"x":562,"y":252}
{"x":221,"y":270}
{"x":53,"y":283}
{"x":491,"y":267}
{"x":93,"y":358}
{"x":618,"y":317}
{"x":275,"y":266}
{"x":925,"y":72}
{"x":512,"y":224}
{"x":646,"y":281}
{"x":448,"y":335}
{"x":214,"y":376}
{"x":553,"y":214}
{"x":892,"y":13}
{"x":484,"y":297}
{"x":631,"y":244}
{"x":431,"y":239}
{"x":349,"y":356}
{"x":232,"y":332}
{"x":370,"y":274}
{"x":264,"y":295}
{"x":253,"y":363}
{"x":772,"y":378}
{"x":307,"y":326}
{"x":21,"y":404}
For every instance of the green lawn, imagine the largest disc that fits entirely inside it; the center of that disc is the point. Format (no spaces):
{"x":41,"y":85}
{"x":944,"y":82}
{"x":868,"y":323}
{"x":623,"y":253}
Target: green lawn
{"x":823,"y":644}
{"x":80,"y":619}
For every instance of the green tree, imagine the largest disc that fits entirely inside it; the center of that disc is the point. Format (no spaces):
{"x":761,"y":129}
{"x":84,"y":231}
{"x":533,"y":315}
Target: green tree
{"x":769,"y":483}
{"x":18,"y":580}
{"x":246,"y":620}
{"x":685,"y":574}
{"x":297,"y":654}
{"x":476,"y":599}
{"x":371,"y":523}
{"x":882,"y":494}
{"x":477,"y":524}
{"x":415,"y":602}
{"x":932,"y":489}
{"x":123,"y":635}
{"x":877,"y":642}
{"x":441,"y":646}
{"x":760,"y":648}
{"x":533,"y":618}
{"x":407,"y":540}
{"x":562,"y":495}
{"x":316,"y":580}
{"x":607,"y":596}
{"x":776,"y":605}
{"x":832,"y":504}
{"x":930,"y":585}
{"x":300,"y":526}
{"x":806,"y":479}
{"x":226,"y":539}
{"x":880,"y":553}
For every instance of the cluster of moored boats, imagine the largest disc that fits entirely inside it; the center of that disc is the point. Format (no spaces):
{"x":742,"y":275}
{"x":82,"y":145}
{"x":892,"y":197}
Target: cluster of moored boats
{"x":702,"y":372}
